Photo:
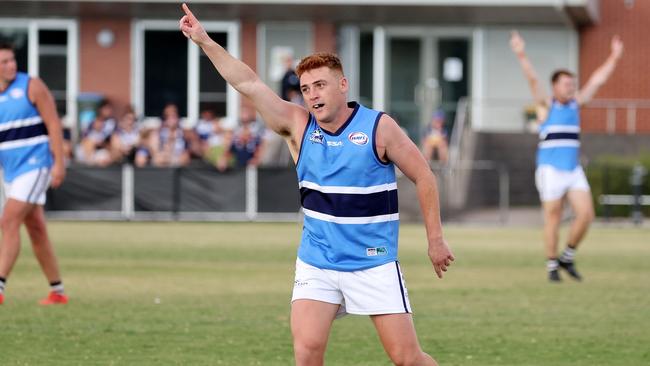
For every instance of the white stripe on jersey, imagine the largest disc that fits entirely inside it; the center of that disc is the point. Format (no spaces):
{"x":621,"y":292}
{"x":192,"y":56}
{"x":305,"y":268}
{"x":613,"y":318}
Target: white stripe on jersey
{"x":23,"y":142}
{"x":31,"y":121}
{"x":344,"y":189}
{"x":351,"y":220}
{"x":559,"y":143}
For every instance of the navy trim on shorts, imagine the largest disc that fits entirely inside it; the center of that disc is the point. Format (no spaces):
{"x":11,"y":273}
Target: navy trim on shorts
{"x":401,"y":288}
{"x":31,"y":192}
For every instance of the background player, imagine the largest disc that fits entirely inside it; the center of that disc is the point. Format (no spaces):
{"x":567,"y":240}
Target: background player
{"x":31,"y":154}
{"x":559,"y":175}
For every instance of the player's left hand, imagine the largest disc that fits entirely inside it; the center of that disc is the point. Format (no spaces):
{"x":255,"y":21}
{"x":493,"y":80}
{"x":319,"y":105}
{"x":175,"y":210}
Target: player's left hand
{"x":440,"y":255}
{"x":58,"y":174}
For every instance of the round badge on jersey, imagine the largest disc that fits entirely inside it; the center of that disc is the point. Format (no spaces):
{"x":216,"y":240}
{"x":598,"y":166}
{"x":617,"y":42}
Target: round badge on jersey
{"x":358,"y":138}
{"x":17,"y":93}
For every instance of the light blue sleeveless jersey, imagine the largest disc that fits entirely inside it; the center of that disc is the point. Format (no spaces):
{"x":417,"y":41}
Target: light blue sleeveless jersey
{"x":559,"y":137}
{"x":24,"y":144}
{"x":348,"y":195}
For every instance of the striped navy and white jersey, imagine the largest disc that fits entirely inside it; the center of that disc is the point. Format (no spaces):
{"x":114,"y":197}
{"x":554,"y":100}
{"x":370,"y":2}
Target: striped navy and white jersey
{"x":559,"y":136}
{"x":348,"y":195}
{"x":24,"y":143}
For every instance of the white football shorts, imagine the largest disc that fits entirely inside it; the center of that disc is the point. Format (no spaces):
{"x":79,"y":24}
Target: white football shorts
{"x":374,"y":291}
{"x":552,"y":183}
{"x":30,"y":187}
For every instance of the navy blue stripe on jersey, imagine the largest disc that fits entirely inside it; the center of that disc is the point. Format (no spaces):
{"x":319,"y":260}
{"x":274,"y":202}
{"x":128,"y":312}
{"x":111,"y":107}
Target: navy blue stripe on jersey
{"x":562,"y":136}
{"x":350,"y":205}
{"x":23,"y":132}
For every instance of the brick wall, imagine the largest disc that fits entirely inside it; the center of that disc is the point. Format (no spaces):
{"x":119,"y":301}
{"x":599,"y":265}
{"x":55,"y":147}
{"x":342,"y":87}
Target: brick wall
{"x":631,"y":79}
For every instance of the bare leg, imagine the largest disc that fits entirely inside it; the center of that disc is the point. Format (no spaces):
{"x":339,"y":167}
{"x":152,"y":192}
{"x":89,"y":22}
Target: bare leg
{"x":43,"y":249}
{"x":12,"y":217}
{"x":552,"y":217}
{"x":397,"y":334}
{"x":311,"y":321}
{"x":584,"y":210}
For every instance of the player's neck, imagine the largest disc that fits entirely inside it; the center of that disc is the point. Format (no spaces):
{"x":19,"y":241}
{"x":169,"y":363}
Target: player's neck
{"x":4,"y":84}
{"x":341,"y":118}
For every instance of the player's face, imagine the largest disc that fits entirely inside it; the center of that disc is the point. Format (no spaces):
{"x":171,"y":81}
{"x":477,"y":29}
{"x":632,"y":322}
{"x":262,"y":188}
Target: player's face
{"x":8,"y":66}
{"x":324,"y":92}
{"x":564,"y":88}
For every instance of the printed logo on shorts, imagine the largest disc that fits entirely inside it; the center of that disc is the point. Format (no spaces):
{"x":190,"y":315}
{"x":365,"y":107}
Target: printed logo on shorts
{"x":299,"y":283}
{"x":358,"y":138}
{"x":374,"y":252}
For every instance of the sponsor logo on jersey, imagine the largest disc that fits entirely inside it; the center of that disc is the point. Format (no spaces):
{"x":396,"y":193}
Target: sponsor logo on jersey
{"x":316,"y":136}
{"x":335,"y":143}
{"x":17,"y":93}
{"x":33,"y":160}
{"x":358,"y":138}
{"x":374,"y":252}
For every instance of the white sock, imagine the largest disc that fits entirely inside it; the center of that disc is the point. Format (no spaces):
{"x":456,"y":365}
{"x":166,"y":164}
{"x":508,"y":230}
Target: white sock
{"x":57,"y":287}
{"x":568,"y":254}
{"x":2,"y":285}
{"x":551,"y":265}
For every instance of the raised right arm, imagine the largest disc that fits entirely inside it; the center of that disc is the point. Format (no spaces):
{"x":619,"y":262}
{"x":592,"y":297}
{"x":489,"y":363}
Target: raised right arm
{"x":281,"y":116}
{"x":518,"y":47}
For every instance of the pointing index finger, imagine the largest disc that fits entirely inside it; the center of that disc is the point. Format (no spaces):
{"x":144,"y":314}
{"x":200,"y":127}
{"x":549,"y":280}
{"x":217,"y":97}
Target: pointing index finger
{"x":187,"y":11}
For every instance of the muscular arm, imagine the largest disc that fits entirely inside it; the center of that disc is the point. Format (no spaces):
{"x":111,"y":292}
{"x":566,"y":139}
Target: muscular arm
{"x":393,"y":145}
{"x":41,"y":97}
{"x":518,"y":47}
{"x":283,"y":117}
{"x":602,"y":73}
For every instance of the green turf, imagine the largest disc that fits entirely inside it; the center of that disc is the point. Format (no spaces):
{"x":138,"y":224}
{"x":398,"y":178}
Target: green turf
{"x":224,"y":294}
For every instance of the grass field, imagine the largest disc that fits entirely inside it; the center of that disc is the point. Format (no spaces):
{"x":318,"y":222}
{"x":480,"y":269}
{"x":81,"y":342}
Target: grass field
{"x":224,"y":291}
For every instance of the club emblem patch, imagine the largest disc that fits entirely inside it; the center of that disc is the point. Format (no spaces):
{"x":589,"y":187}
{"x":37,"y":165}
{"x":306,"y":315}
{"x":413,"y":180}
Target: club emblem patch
{"x":316,"y":136}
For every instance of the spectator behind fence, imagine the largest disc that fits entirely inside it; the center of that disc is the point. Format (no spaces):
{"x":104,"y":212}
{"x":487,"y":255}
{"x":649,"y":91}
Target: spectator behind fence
{"x":434,"y":143}
{"x":95,"y":143}
{"x":173,"y":148}
{"x":245,"y":145}
{"x":212,"y":136}
{"x":126,"y":137}
{"x":147,"y":149}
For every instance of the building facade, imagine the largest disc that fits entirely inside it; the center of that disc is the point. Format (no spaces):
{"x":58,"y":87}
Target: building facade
{"x":407,"y":58}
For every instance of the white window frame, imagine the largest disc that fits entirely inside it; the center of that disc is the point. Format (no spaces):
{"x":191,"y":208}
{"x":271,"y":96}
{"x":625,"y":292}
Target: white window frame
{"x":33,"y":26}
{"x":232,"y":29}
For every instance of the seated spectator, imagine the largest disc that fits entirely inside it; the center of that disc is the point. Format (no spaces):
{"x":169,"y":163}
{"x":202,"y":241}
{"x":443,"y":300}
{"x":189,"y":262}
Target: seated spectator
{"x":245,"y":146}
{"x":147,"y":149}
{"x":126,"y":137}
{"x":95,"y":143}
{"x":173,"y":148}
{"x":434,"y":143}
{"x":212,"y":136}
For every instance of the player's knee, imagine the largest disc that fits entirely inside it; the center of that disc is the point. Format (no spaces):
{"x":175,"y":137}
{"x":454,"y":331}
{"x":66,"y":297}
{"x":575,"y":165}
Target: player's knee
{"x":406,"y":357}
{"x":9,"y":223}
{"x":308,"y":350}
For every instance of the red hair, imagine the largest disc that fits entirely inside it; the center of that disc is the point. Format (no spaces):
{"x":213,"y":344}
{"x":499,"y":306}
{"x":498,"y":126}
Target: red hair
{"x":318,"y":60}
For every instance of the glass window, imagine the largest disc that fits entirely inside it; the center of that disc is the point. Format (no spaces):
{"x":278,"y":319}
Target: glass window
{"x":165,"y":71}
{"x":212,"y":87}
{"x":52,"y":62}
{"x":366,"y":49}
